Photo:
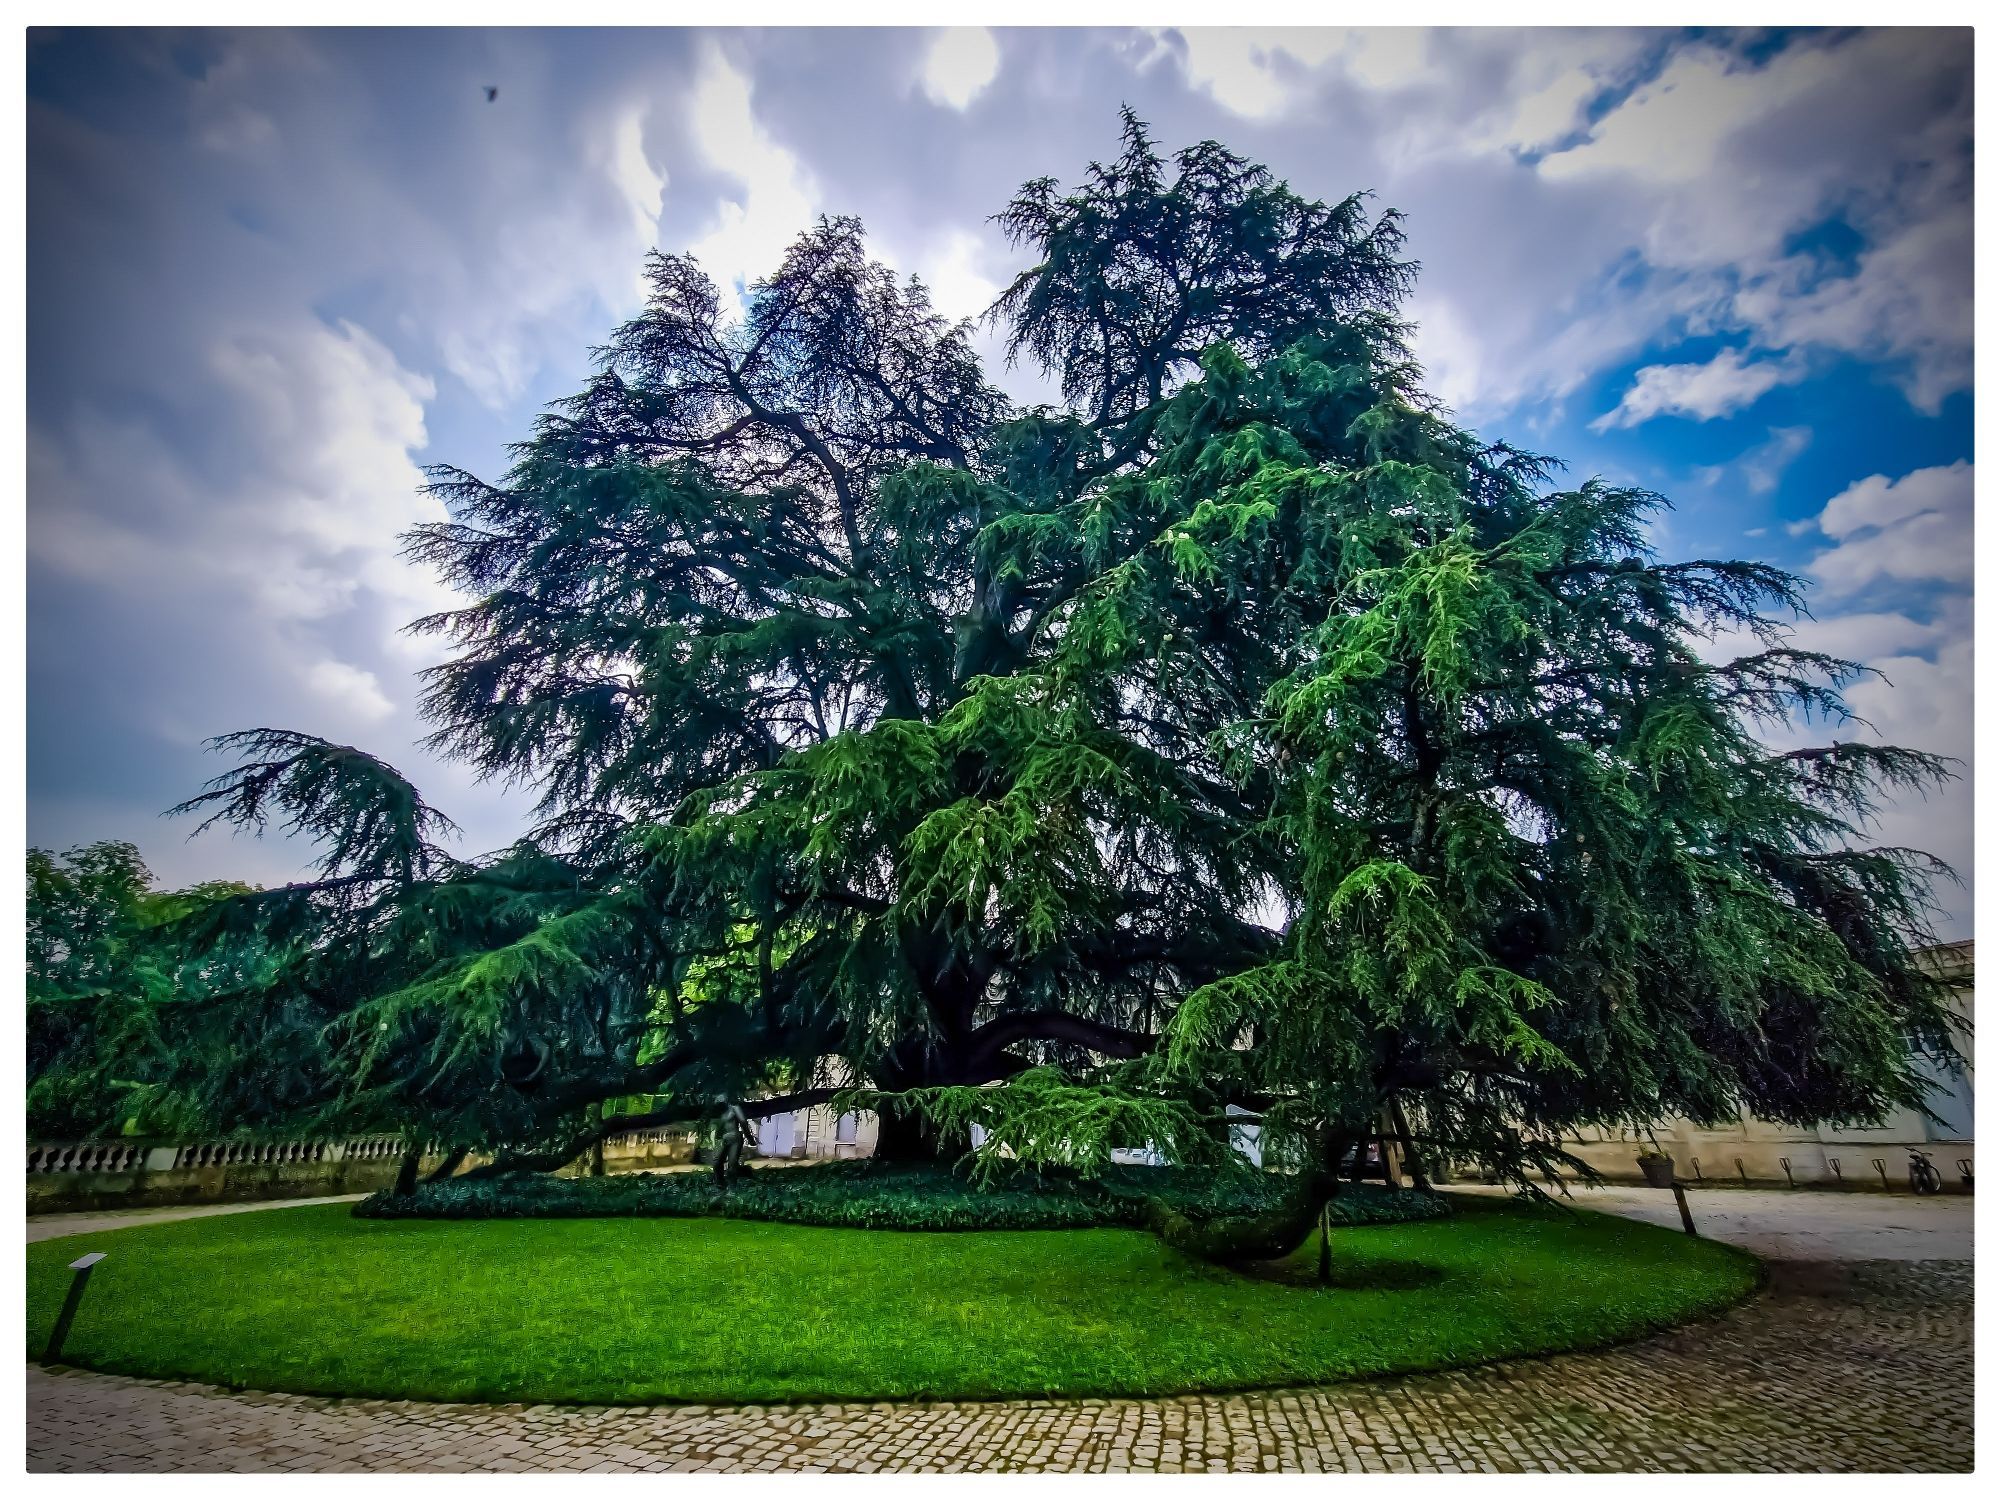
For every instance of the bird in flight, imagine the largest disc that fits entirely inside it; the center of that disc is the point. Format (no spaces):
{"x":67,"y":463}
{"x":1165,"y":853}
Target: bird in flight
{"x":492,"y":93}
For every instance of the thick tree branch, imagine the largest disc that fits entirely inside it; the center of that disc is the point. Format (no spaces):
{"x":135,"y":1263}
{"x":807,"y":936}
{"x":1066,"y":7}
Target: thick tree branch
{"x":996,"y":1036}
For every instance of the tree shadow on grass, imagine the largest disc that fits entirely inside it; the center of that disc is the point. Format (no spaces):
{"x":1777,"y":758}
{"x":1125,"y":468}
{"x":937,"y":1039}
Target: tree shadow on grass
{"x":1348,"y":1273}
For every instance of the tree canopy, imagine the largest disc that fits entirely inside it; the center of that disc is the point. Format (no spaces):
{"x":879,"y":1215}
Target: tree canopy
{"x":117,"y":1001}
{"x":1232,"y":730}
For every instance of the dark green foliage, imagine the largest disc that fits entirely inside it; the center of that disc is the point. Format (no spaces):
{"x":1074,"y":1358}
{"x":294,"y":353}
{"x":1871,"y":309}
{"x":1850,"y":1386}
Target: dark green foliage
{"x":870,"y":1194}
{"x":1146,"y":266}
{"x":364,"y":815}
{"x":1241,"y":732}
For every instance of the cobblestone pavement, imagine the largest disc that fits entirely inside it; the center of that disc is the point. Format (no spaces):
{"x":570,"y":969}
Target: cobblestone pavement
{"x":1838,"y":1367}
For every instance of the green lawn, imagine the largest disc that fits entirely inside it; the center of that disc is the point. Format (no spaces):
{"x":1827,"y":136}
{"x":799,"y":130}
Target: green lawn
{"x":627,"y":1311}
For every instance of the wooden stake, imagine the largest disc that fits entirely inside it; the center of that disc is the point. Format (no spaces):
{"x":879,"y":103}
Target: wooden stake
{"x":1687,"y":1218}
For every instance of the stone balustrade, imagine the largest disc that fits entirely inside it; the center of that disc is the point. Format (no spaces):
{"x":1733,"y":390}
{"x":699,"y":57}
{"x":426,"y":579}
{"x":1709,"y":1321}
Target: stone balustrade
{"x":96,"y":1156}
{"x":96,"y":1175}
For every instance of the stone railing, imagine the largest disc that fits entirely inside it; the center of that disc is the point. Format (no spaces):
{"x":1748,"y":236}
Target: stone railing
{"x":90,"y":1156}
{"x":93,"y":1175}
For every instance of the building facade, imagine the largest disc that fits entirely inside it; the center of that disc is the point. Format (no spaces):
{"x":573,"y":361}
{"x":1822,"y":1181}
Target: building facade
{"x":1751,"y":1150}
{"x":816,"y":1134}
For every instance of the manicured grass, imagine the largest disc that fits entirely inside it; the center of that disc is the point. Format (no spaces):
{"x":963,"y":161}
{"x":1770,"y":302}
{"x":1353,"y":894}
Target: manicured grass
{"x":632,"y":1310}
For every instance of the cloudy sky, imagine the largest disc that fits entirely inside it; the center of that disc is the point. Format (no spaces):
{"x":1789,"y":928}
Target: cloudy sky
{"x":271,"y":274}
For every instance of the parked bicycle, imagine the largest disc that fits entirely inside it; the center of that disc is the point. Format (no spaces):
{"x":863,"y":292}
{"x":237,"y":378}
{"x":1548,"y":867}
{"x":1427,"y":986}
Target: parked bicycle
{"x":1924,"y":1177}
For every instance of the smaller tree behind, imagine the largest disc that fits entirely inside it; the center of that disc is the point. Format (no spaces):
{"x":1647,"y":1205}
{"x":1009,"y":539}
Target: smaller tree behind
{"x":106,"y":960}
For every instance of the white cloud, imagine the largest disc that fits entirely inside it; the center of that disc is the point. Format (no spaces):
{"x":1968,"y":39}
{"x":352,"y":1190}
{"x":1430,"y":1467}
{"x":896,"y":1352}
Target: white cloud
{"x":1448,"y":345}
{"x":1862,"y":636}
{"x":1255,"y":71}
{"x":1762,"y":466}
{"x":776,"y":199}
{"x":1916,"y":529}
{"x":1553,"y":83}
{"x":341,"y":417}
{"x":1879,"y":500}
{"x":1673,"y":130}
{"x":1550,"y":197}
{"x":950,"y":268}
{"x":1726,"y":383}
{"x":779,"y":200}
{"x":1918,"y":701}
{"x":961,"y":62}
{"x":1908,"y":302}
{"x":1723,"y":163}
{"x":1377,"y":57}
{"x":643,"y":183}
{"x":298,"y":547}
{"x":355,"y":691}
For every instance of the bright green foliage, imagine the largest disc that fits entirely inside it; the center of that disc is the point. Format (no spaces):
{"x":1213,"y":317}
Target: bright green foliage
{"x":1044,"y":1119}
{"x":1548,"y":876}
{"x":631,"y":1312}
{"x":890,"y":737}
{"x":106,"y":980}
{"x":89,"y":980}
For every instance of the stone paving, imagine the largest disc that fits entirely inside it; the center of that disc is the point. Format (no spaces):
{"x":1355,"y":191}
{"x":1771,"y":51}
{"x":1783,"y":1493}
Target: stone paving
{"x":1857,"y":1365}
{"x":1802,"y":1225}
{"x":62,"y":1225}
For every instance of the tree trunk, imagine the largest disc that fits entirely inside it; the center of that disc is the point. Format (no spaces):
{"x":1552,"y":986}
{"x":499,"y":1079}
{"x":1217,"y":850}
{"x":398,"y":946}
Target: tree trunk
{"x":406,"y":1174}
{"x":1411,"y":1157}
{"x":1333,"y":1146}
{"x":593,"y":1155}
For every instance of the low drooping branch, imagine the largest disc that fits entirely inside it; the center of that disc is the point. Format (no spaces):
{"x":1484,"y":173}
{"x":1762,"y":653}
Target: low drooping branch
{"x":679,"y":1116}
{"x":1115,"y":1041}
{"x":683,"y":1116}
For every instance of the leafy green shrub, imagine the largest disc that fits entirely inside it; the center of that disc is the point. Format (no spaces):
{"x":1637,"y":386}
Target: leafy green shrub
{"x":872,"y":1194}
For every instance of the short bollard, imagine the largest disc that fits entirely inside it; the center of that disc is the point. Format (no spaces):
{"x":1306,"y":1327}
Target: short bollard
{"x":53,"y":1353}
{"x":1687,"y":1218}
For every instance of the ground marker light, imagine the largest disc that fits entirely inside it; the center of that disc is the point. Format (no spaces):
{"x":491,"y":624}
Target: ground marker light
{"x":53,"y":1353}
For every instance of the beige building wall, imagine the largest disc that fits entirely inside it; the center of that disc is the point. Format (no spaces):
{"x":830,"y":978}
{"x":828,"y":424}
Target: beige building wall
{"x":816,"y":1134}
{"x":1764,"y":1153}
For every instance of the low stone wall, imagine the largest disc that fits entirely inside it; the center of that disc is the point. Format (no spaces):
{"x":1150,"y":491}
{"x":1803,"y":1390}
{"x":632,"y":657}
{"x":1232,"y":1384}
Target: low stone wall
{"x":101,"y":1175}
{"x":1741,"y":1158}
{"x":649,"y":1150}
